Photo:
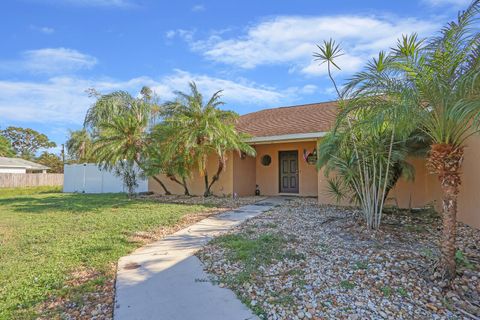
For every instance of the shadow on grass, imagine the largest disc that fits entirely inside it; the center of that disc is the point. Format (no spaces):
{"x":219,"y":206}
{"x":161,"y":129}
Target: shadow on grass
{"x":66,"y":202}
{"x":75,"y":202}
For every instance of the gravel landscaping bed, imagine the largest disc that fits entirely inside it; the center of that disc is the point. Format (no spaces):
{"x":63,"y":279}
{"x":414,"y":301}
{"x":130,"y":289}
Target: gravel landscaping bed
{"x":306,"y":261}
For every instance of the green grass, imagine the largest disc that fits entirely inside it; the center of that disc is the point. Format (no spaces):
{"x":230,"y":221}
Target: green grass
{"x":261,"y":250}
{"x":46,"y":235}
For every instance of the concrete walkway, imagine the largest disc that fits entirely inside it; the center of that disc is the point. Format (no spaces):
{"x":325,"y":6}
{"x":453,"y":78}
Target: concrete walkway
{"x":164,"y":280}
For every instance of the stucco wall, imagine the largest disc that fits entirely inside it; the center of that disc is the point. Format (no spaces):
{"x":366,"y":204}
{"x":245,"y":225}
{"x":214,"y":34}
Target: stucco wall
{"x":244,"y":175}
{"x":268,"y":176}
{"x":469,"y":198}
{"x":196,"y":184}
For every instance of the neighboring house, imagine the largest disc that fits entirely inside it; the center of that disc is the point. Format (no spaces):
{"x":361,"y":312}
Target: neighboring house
{"x":286,"y":139}
{"x":17,"y":165}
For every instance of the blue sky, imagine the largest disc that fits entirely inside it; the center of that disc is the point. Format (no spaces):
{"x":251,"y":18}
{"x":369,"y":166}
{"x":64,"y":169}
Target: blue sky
{"x":258,"y":52}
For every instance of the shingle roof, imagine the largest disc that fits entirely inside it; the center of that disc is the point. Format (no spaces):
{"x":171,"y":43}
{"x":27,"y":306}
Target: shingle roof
{"x":21,"y":163}
{"x":307,"y":118}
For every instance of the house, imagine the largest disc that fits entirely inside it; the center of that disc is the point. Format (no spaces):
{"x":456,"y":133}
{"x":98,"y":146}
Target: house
{"x":17,"y":165}
{"x":286,"y":140}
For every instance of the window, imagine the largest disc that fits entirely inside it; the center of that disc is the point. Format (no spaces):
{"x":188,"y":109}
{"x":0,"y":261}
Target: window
{"x":266,"y":160}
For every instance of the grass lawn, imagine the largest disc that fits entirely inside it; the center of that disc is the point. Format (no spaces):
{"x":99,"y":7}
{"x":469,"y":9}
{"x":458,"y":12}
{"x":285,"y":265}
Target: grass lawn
{"x":45,"y":236}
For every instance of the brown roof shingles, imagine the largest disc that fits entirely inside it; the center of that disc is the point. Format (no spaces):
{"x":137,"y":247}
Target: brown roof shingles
{"x":307,"y":118}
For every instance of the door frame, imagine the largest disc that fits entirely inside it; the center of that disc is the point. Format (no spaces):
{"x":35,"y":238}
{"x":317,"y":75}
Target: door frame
{"x":280,"y":172}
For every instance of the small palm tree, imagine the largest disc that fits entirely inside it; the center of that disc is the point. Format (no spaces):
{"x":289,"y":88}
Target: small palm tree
{"x":204,"y":129}
{"x":445,"y":73}
{"x":120,"y":124}
{"x":169,"y":155}
{"x":439,"y":80}
{"x":79,"y":146}
{"x":6,"y":149}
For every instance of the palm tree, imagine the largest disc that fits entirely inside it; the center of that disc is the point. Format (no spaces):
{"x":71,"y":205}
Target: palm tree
{"x":79,"y":146}
{"x":120,"y":125}
{"x":6,"y":149}
{"x":446,"y":74}
{"x":169,"y":155}
{"x":204,"y":129}
{"x":439,"y":78}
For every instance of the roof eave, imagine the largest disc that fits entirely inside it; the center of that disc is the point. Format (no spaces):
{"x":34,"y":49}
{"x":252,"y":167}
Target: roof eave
{"x":295,"y":137}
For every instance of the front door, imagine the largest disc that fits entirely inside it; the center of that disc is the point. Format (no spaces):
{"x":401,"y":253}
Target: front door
{"x":288,"y":171}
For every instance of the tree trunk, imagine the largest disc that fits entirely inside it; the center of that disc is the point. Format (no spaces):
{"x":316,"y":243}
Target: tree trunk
{"x":163,"y":186}
{"x":207,"y":189}
{"x":183,"y":183}
{"x":185,"y":186}
{"x":446,"y":160}
{"x":137,"y":161}
{"x":221,"y":165}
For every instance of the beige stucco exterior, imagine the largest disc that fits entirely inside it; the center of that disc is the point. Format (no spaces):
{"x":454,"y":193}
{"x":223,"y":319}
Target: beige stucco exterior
{"x":267,"y":177}
{"x":241,"y":176}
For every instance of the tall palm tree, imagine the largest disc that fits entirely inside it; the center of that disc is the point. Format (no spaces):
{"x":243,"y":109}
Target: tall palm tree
{"x":204,"y":129}
{"x":120,"y":124}
{"x":439,"y":78}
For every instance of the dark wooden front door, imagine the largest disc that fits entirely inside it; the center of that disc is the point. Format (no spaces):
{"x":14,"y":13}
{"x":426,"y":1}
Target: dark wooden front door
{"x":288,"y":171}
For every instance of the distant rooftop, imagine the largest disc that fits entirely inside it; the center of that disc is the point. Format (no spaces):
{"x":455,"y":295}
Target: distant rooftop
{"x":306,"y":118}
{"x":21,"y":163}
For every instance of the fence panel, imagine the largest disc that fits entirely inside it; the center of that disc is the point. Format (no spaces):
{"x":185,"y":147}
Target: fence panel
{"x":89,"y":178}
{"x":19,"y":180}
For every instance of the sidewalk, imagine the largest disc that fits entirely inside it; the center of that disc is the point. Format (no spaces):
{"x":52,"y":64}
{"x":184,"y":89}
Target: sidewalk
{"x":164,"y":280}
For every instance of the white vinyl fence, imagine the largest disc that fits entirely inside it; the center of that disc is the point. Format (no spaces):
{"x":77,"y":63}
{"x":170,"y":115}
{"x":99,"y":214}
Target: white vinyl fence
{"x":88,"y":178}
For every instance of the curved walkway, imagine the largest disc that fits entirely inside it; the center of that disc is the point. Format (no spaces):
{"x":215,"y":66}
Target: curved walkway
{"x":164,"y":280}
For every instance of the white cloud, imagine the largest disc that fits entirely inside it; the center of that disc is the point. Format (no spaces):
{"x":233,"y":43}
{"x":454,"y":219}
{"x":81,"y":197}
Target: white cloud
{"x":291,"y":40}
{"x":186,"y":35}
{"x":47,"y":30}
{"x":62,"y":100}
{"x":50,"y":61}
{"x":44,"y":30}
{"x":454,"y":3}
{"x":198,"y":8}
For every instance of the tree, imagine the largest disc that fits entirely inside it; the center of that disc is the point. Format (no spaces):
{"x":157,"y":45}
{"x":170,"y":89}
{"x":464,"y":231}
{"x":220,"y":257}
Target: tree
{"x":26,"y":142}
{"x":129,"y":174}
{"x":169,"y":156}
{"x":51,"y":160}
{"x":6,"y":149}
{"x":439,"y":78}
{"x":121,"y":134}
{"x":361,"y":149}
{"x":446,"y":75}
{"x":79,"y":146}
{"x":203,"y":129}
